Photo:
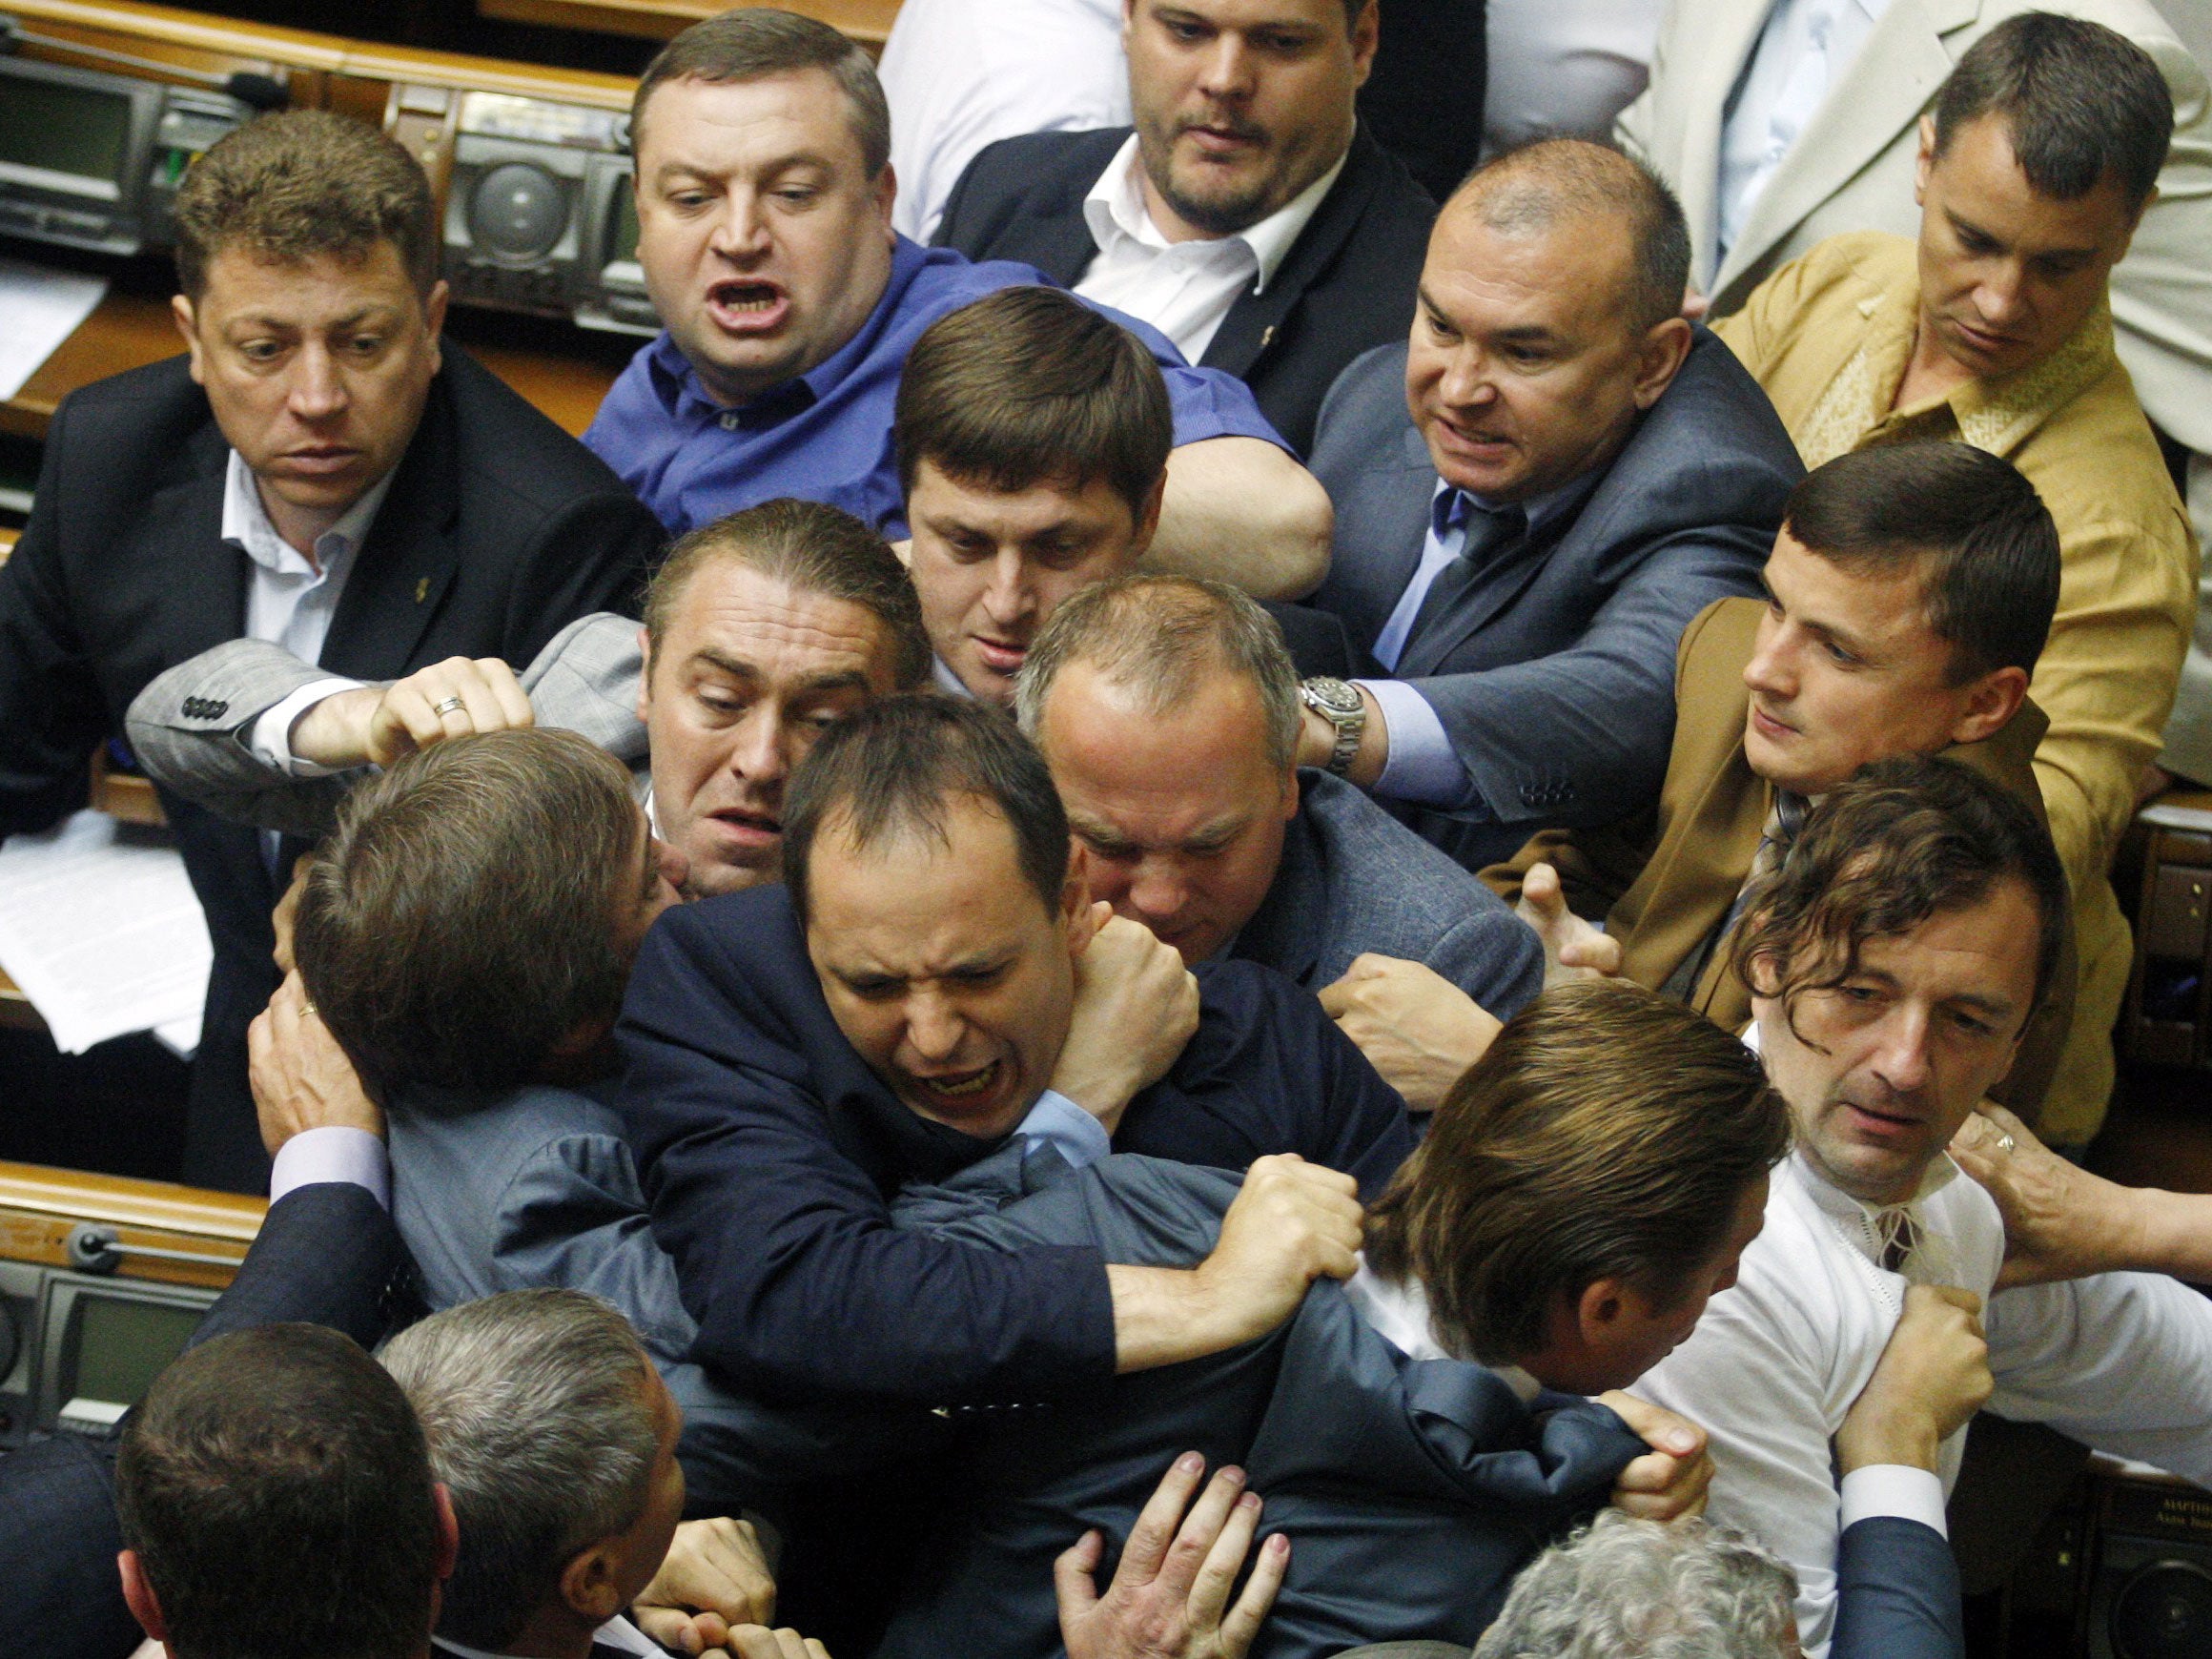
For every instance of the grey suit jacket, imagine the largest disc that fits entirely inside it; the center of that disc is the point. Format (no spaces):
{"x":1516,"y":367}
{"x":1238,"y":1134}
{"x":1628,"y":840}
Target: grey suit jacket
{"x":1411,"y":1490}
{"x":1554,"y":671}
{"x":1352,"y":879}
{"x":188,"y":728}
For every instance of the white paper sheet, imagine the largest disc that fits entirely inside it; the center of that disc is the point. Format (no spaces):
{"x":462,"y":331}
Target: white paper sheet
{"x":101,"y":931}
{"x":38,"y":310}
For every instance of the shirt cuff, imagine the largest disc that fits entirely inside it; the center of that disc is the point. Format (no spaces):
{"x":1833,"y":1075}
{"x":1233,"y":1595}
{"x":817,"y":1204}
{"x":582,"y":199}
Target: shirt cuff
{"x":271,"y":740}
{"x":1423,"y":767}
{"x":333,"y":1153}
{"x":1065,"y":1127}
{"x":1900,"y":1489}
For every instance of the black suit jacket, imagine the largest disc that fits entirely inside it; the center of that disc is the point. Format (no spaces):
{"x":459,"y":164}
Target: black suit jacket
{"x":769,"y":1152}
{"x":1346,"y":284}
{"x":326,"y":1255}
{"x":499,"y":529}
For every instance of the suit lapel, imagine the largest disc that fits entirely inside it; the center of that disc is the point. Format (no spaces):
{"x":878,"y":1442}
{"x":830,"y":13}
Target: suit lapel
{"x":1060,"y":244}
{"x":203,"y":590}
{"x":1882,"y":92}
{"x":402,"y":570}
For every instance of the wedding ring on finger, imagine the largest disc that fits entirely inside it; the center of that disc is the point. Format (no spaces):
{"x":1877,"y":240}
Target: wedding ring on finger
{"x":442,"y":709}
{"x":2005,"y":1142}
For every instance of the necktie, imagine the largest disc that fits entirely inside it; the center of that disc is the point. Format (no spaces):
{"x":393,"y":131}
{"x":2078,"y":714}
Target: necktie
{"x":1490,"y":532}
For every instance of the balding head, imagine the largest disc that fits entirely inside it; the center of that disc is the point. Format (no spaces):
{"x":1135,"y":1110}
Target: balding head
{"x":1549,"y":318}
{"x":1565,"y":182}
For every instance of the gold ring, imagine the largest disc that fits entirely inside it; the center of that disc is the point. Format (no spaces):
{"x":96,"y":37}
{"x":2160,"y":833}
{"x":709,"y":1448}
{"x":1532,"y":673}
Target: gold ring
{"x":307,"y":1008}
{"x":445,"y":708}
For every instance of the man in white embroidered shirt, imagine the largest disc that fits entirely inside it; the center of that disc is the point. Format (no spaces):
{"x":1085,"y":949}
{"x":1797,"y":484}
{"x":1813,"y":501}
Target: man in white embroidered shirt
{"x":1895,"y":959}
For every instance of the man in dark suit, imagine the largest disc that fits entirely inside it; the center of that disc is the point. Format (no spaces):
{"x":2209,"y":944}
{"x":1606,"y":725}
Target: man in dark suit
{"x":1533,"y":497}
{"x":317,"y":472}
{"x":1248,"y":215}
{"x":904,"y":1003}
{"x":1168,"y":710}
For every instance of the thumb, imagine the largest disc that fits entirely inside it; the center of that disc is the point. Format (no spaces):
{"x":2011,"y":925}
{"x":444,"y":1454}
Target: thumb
{"x":669,"y":1627}
{"x":1073,"y":1584}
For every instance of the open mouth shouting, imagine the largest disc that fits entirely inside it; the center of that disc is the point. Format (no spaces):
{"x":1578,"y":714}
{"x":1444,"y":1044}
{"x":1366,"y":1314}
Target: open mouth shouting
{"x":748,"y":305}
{"x":954,"y":1096}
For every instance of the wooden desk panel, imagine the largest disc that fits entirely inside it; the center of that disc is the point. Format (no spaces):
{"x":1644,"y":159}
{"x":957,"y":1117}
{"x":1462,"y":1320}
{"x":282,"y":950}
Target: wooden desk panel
{"x":39,"y":1206}
{"x":866,"y":21}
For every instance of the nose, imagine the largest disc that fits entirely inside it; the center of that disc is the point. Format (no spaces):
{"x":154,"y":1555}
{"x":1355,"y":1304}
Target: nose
{"x":1900,"y":1058}
{"x":1770,"y":670}
{"x":740,"y":232}
{"x":1467,"y":382}
{"x":1008,"y":598}
{"x":1225,"y":71}
{"x":1158,"y":894}
{"x":317,"y":389}
{"x":934,"y":1027}
{"x":756,"y":751}
{"x":1998,"y":295}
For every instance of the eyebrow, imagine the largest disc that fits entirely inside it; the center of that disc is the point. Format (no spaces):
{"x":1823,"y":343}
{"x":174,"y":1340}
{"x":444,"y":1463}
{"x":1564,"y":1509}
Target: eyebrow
{"x":1968,"y":227}
{"x":351,"y":320}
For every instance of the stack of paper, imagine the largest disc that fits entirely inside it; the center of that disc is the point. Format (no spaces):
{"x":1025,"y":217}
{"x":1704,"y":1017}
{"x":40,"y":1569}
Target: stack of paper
{"x":43,"y":308}
{"x":99,"y":928}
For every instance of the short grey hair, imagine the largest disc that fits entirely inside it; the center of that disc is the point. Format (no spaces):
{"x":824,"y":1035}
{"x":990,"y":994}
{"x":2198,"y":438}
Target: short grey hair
{"x":1155,"y":635}
{"x":540,"y":1417}
{"x":1627,"y":1588}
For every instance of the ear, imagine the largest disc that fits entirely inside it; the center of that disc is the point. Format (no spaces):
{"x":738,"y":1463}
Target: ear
{"x":1925,"y":163}
{"x":1147,"y":521}
{"x":1367,"y":32}
{"x":1991,"y":701}
{"x":1080,"y":917}
{"x":645,"y":677}
{"x":1599,"y":1311}
{"x":1290,"y":792}
{"x":886,"y":192}
{"x":589,"y":1585}
{"x":138,"y":1596}
{"x":434,"y":319}
{"x":1665,"y":348}
{"x":448,"y":1530}
{"x":181,"y":312}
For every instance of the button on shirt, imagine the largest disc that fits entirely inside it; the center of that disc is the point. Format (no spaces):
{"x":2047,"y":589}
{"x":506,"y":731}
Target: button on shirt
{"x":1803,"y":50}
{"x":826,"y":436}
{"x":1183,"y":289}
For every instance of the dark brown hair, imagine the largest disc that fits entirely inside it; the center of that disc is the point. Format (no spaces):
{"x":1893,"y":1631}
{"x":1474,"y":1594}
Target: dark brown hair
{"x":302,"y":183}
{"x":1028,"y":386}
{"x":278,"y":1491}
{"x":889,"y":769}
{"x":814,"y":548}
{"x":459,"y":922}
{"x":1608,"y":1134}
{"x":1903,"y":840}
{"x":753,"y":42}
{"x":1980,"y":537}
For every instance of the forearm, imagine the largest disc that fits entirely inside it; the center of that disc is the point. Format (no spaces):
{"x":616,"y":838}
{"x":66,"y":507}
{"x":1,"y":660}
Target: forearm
{"x":1244,"y":512}
{"x":2173,"y":1234}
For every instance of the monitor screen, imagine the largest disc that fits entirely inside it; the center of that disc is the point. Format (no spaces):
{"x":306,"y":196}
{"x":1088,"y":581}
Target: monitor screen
{"x":76,"y":131}
{"x":123,"y":1345}
{"x":622,"y":247}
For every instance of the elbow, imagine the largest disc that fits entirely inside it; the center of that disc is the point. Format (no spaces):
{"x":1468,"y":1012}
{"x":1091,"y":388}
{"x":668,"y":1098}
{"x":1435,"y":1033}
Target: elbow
{"x":1301,"y":529}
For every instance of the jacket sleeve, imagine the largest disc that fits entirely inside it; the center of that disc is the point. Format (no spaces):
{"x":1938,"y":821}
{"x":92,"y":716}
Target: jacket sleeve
{"x":325,"y":1255}
{"x":785,"y":1248}
{"x":1493,"y":957}
{"x":1896,"y":1592}
{"x":204,"y":756}
{"x":53,"y":712}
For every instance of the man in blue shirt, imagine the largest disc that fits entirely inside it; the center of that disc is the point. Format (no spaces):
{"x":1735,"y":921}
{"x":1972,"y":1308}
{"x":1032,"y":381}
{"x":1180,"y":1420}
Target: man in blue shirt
{"x":764,"y":228}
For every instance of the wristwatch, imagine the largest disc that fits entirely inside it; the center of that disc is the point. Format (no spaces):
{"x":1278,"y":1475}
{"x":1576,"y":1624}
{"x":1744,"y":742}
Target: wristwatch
{"x":1341,"y":705}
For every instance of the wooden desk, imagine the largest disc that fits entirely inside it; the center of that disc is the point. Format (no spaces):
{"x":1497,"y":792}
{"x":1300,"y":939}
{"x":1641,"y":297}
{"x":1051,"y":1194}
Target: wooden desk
{"x":132,"y":329}
{"x":866,"y":21}
{"x":39,"y":1206}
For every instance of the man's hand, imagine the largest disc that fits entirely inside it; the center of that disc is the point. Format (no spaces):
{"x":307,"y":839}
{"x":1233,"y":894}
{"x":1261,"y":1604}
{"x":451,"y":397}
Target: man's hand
{"x":1573,"y":948}
{"x":1135,"y":1008}
{"x":1416,"y":1027}
{"x":1932,"y":1377}
{"x":1170,"y":1595}
{"x":714,"y":1580}
{"x":375,"y":726}
{"x":757,"y":1642}
{"x":300,"y":1078}
{"x":2060,"y":1221}
{"x":1670,"y":1480}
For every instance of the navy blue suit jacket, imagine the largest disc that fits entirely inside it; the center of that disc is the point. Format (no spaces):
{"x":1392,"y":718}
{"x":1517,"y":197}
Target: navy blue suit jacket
{"x":1554,"y":671}
{"x":326,"y":1255}
{"x":769,"y":1153}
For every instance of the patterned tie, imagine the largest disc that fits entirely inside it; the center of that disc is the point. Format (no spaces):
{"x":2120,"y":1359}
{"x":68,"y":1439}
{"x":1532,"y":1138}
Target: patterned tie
{"x":1490,"y":532}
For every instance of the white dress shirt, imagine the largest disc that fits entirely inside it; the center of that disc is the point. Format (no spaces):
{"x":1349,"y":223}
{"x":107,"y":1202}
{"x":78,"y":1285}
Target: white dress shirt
{"x":290,"y":598}
{"x":2123,"y":1361}
{"x":1802,"y":51}
{"x":618,"y":1634}
{"x":1183,"y":289}
{"x":1398,"y":1314}
{"x":960,"y":74}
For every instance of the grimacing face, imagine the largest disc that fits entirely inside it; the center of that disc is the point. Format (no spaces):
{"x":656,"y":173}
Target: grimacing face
{"x":943,"y":967}
{"x":1524,"y":369}
{"x":1239,"y":105}
{"x":315,"y":371}
{"x":765,"y":242}
{"x":990,"y":568}
{"x":1180,"y":816}
{"x":2007,"y":274}
{"x":1880,"y":1071}
{"x":749,"y":674}
{"x":1847,"y":670}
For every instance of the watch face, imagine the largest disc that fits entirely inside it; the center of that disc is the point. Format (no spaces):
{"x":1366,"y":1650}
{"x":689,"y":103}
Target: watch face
{"x":1334,"y":695}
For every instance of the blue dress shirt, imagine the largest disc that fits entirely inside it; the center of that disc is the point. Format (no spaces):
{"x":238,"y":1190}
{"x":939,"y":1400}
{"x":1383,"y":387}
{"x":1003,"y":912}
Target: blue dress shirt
{"x":826,"y":436}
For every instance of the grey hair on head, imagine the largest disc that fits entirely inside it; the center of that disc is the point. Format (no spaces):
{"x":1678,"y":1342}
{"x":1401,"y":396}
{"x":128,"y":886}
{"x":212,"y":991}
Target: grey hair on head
{"x":1627,"y":1588}
{"x":541,"y":1422}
